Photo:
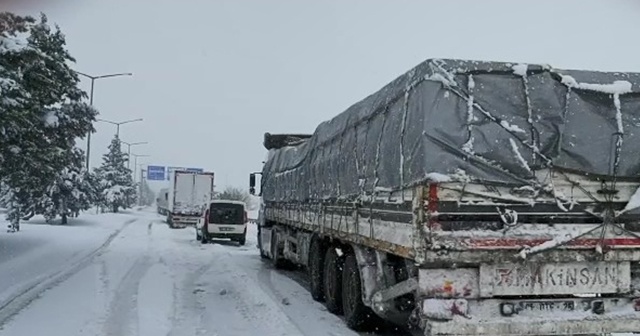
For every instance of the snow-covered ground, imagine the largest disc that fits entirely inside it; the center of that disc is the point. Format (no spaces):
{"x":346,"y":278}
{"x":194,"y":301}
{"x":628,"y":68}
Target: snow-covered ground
{"x":129,"y":274}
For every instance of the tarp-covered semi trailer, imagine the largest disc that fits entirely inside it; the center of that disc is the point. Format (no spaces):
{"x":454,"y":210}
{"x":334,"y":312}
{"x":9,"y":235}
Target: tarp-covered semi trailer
{"x":188,"y":193}
{"x":468,"y":198}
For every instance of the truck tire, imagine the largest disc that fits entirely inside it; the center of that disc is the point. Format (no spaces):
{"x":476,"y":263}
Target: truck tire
{"x":204,"y":238}
{"x":278,"y":261}
{"x":263,"y":256}
{"x":316,"y":269}
{"x":357,"y":316}
{"x":243,"y":240}
{"x":333,"y":281}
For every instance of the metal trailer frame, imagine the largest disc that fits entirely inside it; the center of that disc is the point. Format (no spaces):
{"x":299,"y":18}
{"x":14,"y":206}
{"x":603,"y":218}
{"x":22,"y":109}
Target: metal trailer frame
{"x":379,"y":231}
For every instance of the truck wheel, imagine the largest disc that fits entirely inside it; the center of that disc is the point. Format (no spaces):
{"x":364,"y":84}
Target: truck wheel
{"x":263,"y":256}
{"x":242,"y":240}
{"x":316,"y":269}
{"x":198,"y":235}
{"x":204,"y":238}
{"x":276,"y":259}
{"x":333,"y":281}
{"x":357,"y":316}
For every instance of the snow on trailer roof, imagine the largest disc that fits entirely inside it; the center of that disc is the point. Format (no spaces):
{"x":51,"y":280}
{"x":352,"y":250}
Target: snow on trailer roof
{"x":493,"y":122}
{"x":453,"y":72}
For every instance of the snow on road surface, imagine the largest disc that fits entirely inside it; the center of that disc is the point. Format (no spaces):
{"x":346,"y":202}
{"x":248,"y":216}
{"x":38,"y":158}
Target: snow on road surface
{"x":131,"y":275}
{"x":33,"y":259}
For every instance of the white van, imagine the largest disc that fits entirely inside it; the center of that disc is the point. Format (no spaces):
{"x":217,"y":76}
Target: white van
{"x":223,"y":219}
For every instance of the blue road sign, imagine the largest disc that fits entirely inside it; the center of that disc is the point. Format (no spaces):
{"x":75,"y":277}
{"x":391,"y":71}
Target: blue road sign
{"x":155,"y":173}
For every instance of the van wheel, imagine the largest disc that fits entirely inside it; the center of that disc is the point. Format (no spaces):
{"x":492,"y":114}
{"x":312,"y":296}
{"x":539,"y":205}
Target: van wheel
{"x":333,"y":281}
{"x":357,"y":316}
{"x":204,"y":238}
{"x":198,"y":236}
{"x":242,"y":240}
{"x":316,"y":269}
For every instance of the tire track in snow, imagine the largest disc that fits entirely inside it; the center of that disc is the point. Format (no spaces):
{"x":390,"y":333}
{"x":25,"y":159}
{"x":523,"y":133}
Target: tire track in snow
{"x":103,"y":291}
{"x":187,"y":311}
{"x":189,"y":316}
{"x":234,"y":288}
{"x":265,"y":282}
{"x":122,"y":316}
{"x":22,"y":299}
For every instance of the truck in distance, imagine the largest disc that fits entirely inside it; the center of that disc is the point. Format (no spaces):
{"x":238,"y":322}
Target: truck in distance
{"x":468,"y":198}
{"x":188,"y":193}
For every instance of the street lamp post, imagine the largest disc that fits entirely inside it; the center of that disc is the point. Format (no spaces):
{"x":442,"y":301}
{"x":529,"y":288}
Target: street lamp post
{"x":93,"y":79}
{"x":129,"y":150}
{"x":119,"y":123}
{"x":135,"y":162}
{"x":142,"y":181}
{"x":135,"y":165}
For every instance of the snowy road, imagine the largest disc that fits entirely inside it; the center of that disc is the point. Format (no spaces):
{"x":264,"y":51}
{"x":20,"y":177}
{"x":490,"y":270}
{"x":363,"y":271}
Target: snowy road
{"x":118,"y":275}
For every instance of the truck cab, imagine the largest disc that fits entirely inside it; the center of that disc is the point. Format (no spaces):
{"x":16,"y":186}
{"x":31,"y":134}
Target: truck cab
{"x":223,"y":219}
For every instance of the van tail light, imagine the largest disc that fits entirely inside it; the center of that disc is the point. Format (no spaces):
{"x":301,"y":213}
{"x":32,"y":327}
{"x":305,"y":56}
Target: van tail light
{"x":246,"y":217}
{"x":206,"y":216}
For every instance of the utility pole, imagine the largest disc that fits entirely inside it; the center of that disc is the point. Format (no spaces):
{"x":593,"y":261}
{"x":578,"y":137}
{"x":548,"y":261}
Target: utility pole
{"x":142,"y":171}
{"x":119,"y":123}
{"x":93,"y":79}
{"x":135,"y":162}
{"x":136,"y":156}
{"x":129,"y":150}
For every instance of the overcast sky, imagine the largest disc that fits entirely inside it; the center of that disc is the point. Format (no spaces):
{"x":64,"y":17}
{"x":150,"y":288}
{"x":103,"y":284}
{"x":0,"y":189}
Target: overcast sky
{"x":210,"y":77}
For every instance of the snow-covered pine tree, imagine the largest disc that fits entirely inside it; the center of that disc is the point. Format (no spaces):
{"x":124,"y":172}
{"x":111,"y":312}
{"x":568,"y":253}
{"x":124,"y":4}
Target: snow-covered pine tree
{"x":94,"y":191}
{"x":118,"y":190}
{"x":41,"y":110}
{"x":71,"y":192}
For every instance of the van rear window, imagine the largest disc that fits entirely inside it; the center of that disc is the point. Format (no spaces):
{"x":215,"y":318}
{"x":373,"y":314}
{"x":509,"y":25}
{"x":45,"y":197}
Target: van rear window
{"x":226,"y":213}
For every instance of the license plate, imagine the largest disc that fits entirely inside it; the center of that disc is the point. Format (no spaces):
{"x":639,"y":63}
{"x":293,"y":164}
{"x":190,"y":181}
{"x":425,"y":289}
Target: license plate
{"x":546,"y":306}
{"x":226,"y":229}
{"x":551,"y":279}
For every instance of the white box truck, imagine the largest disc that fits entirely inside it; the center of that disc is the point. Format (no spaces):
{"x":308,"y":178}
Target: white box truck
{"x":188,"y":193}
